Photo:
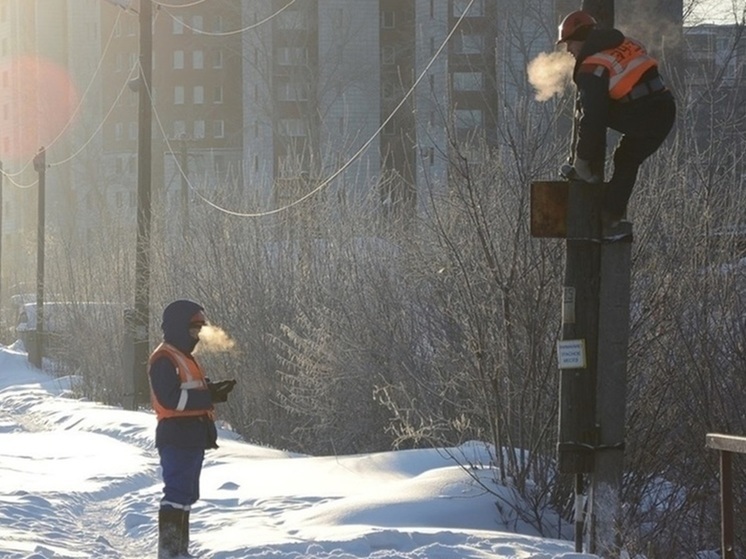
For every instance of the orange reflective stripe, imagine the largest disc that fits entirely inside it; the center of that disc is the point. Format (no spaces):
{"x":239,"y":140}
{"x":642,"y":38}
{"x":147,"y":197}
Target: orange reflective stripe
{"x":626,"y":64}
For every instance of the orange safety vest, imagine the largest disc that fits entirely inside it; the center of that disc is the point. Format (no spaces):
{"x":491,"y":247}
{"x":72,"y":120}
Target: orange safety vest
{"x":626,"y":64}
{"x":192,"y":377}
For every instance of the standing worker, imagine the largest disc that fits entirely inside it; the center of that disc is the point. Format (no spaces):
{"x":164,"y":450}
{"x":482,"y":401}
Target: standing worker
{"x":183,"y":399}
{"x":619,"y":87}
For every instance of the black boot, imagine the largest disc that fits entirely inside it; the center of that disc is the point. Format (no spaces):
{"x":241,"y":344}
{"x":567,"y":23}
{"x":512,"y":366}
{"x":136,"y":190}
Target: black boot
{"x":169,"y":532}
{"x":184,"y":548}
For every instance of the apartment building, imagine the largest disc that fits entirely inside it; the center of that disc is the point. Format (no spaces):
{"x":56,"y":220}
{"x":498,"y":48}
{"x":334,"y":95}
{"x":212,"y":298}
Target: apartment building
{"x":364,"y":93}
{"x":49,"y":97}
{"x":197,"y":132}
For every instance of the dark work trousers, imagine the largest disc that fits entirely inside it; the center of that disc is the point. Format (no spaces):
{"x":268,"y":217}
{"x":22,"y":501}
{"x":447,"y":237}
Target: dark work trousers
{"x":644,"y":124}
{"x":181,"y":468}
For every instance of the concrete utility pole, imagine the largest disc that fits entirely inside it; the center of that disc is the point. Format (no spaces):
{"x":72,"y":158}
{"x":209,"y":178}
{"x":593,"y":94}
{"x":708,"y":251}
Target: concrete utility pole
{"x":592,"y":354}
{"x":141,"y":318}
{"x":36,"y":353}
{"x":603,"y":536}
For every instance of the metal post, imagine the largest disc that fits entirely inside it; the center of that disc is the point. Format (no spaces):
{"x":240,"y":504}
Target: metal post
{"x":142,"y":255}
{"x":36,"y":353}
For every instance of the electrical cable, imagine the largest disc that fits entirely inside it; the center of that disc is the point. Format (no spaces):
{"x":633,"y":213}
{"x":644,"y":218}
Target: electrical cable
{"x":235,"y":31}
{"x":164,"y":5}
{"x":80,"y":102}
{"x":125,"y":85}
{"x":354,"y":156}
{"x":19,"y":185}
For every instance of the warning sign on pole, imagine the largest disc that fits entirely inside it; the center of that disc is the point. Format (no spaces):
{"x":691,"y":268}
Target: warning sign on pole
{"x":571,"y":354}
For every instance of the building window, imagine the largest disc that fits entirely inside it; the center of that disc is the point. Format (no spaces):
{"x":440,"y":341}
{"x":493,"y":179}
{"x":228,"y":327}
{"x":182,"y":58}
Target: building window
{"x":476,"y":10}
{"x":118,"y":131}
{"x":292,"y":92}
{"x":178,"y":25}
{"x":199,"y":129}
{"x":291,"y":19}
{"x":388,"y":90}
{"x":133,"y":130}
{"x":178,"y":60}
{"x":198,"y":60}
{"x":179,"y":95}
{"x":218,"y":129}
{"x":469,"y":44}
{"x":217,"y":24}
{"x":217,"y":59}
{"x":198,"y":23}
{"x":468,"y":119}
{"x":292,"y":127}
{"x":388,"y":55}
{"x":179,"y":128}
{"x":198,"y":95}
{"x":287,"y":56}
{"x":217,"y":94}
{"x":388,"y":19}
{"x":468,"y":81}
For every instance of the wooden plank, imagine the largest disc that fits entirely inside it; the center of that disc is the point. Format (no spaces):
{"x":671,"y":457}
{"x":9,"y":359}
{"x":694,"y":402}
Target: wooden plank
{"x":728,"y":443}
{"x":727,"y":527}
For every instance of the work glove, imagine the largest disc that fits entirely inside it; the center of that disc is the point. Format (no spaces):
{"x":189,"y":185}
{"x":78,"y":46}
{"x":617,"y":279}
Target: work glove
{"x":219,"y":390}
{"x":583,"y":171}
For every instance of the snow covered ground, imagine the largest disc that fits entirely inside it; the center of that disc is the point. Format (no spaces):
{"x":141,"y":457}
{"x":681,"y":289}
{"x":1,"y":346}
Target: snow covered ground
{"x":80,"y":480}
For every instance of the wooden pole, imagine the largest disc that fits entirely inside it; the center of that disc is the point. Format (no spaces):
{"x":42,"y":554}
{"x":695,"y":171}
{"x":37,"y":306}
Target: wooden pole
{"x":184,"y":156}
{"x":141,"y":317}
{"x":36,"y":353}
{"x":1,"y":228}
{"x":726,"y":504}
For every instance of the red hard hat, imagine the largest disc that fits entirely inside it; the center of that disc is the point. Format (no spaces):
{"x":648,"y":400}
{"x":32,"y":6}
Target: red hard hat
{"x":573,"y":23}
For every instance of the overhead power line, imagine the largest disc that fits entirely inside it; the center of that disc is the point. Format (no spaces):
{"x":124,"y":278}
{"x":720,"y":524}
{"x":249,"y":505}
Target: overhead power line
{"x":227,"y":33}
{"x":354,"y":156}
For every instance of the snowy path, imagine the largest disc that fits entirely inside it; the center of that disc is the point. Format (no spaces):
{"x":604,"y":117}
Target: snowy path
{"x":81,"y":480}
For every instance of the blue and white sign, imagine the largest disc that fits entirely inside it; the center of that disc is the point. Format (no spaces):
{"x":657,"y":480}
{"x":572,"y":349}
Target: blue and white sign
{"x":571,"y":354}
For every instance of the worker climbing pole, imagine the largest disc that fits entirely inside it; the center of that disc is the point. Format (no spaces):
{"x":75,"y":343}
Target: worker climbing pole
{"x":618,"y":87}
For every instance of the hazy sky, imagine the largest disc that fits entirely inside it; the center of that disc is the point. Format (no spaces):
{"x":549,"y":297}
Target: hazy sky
{"x":719,"y":11}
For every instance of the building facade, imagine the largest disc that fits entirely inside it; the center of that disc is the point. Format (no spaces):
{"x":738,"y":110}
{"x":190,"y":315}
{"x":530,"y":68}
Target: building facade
{"x":197,"y":131}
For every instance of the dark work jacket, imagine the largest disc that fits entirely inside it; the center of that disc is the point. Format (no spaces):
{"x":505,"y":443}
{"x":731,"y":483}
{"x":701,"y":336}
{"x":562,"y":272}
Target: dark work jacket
{"x":184,"y":432}
{"x":597,"y":110}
